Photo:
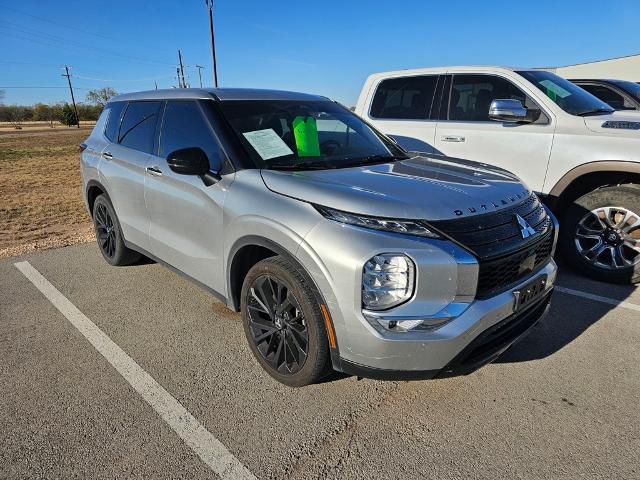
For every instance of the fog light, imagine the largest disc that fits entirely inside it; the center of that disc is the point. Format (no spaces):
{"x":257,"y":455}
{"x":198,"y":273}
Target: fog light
{"x":387,"y":281}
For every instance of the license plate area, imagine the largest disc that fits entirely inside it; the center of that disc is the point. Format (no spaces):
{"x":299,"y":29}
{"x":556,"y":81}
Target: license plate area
{"x":530,"y":292}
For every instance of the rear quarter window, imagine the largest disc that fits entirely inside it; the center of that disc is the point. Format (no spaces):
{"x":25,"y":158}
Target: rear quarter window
{"x":113,"y":111}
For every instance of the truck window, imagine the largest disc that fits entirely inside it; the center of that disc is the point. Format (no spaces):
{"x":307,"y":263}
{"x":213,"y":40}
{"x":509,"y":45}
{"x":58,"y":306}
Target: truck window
{"x":139,"y":125}
{"x":406,"y":98}
{"x":471,"y":96}
{"x":185,"y":126}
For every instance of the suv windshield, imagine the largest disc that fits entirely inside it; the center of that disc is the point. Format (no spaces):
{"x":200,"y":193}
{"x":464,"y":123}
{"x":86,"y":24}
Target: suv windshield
{"x":569,"y":97}
{"x":304,"y":135}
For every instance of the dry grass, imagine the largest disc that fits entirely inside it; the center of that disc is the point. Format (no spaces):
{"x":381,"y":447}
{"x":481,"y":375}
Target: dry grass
{"x":41,"y":202}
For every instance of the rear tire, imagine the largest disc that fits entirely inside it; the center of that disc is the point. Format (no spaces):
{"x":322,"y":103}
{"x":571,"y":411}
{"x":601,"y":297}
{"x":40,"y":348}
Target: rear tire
{"x":283,"y":323}
{"x":109,"y":234}
{"x":600,"y":234}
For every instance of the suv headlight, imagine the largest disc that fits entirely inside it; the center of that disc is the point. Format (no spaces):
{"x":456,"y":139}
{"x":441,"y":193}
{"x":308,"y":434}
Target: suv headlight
{"x":408,"y":227}
{"x":388,"y":280}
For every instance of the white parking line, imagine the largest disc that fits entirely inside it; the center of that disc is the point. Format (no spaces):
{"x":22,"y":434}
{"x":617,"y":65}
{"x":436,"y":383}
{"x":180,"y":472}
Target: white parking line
{"x":598,"y":298}
{"x":198,"y":438}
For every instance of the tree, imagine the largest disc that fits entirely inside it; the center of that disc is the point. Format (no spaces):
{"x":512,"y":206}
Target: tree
{"x":68,"y":116}
{"x":41,"y":111}
{"x":101,"y":95}
{"x":16,"y":114}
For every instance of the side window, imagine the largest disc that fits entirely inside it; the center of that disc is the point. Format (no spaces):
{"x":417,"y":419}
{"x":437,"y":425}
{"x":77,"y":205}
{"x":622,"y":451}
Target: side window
{"x":139,"y":125}
{"x":608,"y":96}
{"x":185,"y":126}
{"x":408,"y":98}
{"x":471,"y":96}
{"x":114,"y":110}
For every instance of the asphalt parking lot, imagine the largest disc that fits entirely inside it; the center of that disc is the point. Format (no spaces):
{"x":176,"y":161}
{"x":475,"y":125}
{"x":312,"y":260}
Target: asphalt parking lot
{"x":561,"y":404}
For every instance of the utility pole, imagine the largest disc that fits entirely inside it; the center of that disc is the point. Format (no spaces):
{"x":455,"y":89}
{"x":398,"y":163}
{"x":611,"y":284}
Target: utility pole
{"x":181,"y":82}
{"x":209,"y":4}
{"x":200,"y":67}
{"x":73,"y":100}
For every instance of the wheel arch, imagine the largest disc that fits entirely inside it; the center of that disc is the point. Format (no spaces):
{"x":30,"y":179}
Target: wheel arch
{"x":93,"y":189}
{"x":589,"y":176}
{"x":245,"y":253}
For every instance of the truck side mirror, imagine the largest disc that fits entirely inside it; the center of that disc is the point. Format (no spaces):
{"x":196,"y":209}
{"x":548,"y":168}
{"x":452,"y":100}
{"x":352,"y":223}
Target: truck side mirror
{"x":508,"y":110}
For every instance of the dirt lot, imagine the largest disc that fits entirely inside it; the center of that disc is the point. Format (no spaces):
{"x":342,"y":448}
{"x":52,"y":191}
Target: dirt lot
{"x":40,"y":199}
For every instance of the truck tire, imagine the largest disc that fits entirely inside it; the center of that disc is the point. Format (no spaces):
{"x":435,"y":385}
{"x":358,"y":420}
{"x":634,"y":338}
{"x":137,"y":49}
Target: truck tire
{"x":109,"y":234}
{"x":283,"y":323}
{"x":600,"y":234}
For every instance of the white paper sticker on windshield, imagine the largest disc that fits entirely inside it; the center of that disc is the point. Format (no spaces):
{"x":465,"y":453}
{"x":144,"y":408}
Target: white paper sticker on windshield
{"x":557,"y":89}
{"x":267,"y":143}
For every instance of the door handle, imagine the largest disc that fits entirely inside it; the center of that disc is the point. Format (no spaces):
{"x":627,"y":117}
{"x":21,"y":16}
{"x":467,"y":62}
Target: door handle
{"x":107,"y":155}
{"x":452,"y":138}
{"x":155,"y":171}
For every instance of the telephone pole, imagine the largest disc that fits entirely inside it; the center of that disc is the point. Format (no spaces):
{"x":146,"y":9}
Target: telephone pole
{"x":200,"y":67}
{"x":73,"y":100}
{"x":181,"y":82}
{"x":209,"y":4}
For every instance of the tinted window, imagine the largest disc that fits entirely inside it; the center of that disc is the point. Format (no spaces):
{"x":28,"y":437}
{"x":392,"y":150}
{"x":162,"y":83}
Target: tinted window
{"x":114,"y":110}
{"x":404,"y":98}
{"x":139,"y":125}
{"x":609,"y":96}
{"x":471,"y":96}
{"x":569,"y":97}
{"x":184,"y":126}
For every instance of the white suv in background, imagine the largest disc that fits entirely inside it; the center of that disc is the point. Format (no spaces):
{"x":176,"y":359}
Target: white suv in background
{"x":576,"y":151}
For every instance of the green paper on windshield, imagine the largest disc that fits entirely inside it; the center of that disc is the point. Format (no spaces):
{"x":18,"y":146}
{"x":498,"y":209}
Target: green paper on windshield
{"x":306,"y":134}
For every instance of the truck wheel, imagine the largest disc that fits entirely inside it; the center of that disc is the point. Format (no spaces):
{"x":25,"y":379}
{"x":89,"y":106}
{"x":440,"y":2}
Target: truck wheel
{"x":600,"y":234}
{"x":283,"y":323}
{"x":109,"y":234}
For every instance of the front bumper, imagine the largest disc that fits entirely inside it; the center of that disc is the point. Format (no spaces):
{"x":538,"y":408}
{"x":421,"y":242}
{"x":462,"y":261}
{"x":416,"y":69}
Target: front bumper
{"x":484,"y":349}
{"x":477,"y":337}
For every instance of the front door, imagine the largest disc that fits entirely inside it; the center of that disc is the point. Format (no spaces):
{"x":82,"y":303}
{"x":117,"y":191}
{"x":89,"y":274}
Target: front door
{"x":186,"y":217}
{"x":467,"y":132}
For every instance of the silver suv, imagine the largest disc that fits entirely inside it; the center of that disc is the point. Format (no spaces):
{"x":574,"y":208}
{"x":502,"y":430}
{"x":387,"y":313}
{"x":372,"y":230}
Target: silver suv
{"x":341,"y":250}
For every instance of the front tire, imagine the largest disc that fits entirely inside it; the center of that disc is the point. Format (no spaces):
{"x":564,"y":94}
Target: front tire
{"x":283,"y":323}
{"x":600,"y":234}
{"x":109,"y":234}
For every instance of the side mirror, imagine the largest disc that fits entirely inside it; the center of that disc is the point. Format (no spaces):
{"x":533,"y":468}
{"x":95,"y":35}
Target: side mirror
{"x":192,"y":161}
{"x":508,"y":110}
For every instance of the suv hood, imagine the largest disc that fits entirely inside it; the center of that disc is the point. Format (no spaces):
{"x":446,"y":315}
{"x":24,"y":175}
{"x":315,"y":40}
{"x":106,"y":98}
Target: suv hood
{"x":428,"y":188}
{"x":625,"y":123}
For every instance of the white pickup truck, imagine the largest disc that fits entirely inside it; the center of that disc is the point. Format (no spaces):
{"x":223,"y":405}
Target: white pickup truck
{"x":580,"y":155}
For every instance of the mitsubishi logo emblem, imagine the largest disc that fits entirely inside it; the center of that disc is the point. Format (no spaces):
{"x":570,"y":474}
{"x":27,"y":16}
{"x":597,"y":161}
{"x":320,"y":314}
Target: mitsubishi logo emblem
{"x":526,"y":230}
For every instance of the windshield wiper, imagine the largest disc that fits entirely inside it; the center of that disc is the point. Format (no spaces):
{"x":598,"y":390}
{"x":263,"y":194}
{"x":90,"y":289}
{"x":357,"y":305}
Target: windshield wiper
{"x":309,"y":165}
{"x":596,"y":111}
{"x":373,"y":159}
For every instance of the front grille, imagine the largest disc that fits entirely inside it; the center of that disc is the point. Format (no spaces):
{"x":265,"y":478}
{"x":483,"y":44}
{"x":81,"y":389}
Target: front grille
{"x":498,"y":274}
{"x":495,"y":239}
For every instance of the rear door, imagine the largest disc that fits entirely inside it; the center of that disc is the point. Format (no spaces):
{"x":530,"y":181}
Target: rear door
{"x":123,"y":166}
{"x":186,"y":215}
{"x":466,"y":131}
{"x":406,"y":108}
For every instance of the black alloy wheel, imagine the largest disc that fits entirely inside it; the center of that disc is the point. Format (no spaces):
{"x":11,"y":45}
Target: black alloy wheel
{"x":105,"y":230}
{"x":277,"y":324}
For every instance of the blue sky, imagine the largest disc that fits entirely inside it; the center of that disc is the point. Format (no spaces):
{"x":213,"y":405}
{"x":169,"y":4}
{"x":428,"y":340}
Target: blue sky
{"x":326,"y":47}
